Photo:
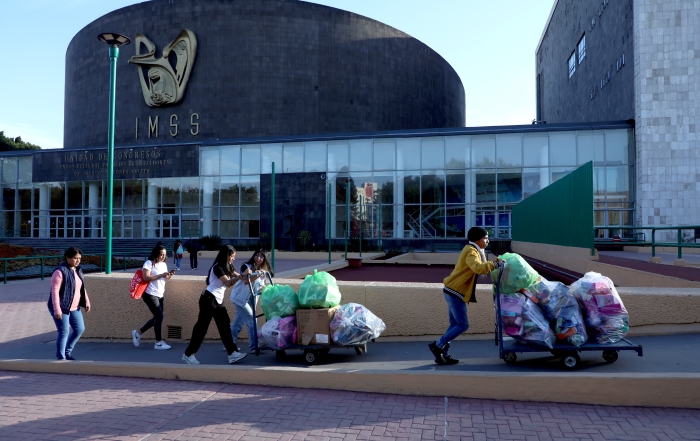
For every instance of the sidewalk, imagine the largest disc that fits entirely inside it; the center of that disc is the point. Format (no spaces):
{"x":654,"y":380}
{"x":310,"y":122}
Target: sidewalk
{"x":640,"y":261}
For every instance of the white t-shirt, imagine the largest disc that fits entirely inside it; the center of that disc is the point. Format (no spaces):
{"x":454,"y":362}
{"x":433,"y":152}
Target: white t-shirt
{"x":156,"y":287}
{"x":216,"y":286}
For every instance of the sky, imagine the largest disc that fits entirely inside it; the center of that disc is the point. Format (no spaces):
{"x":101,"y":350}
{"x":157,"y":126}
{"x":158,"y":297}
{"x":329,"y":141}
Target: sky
{"x":490,"y":44}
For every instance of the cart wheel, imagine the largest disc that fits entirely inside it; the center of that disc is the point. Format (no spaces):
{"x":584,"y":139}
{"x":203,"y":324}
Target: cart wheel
{"x":570,"y":361}
{"x":358,"y":350}
{"x":324,"y":351}
{"x":610,"y":356}
{"x":311,"y":357}
{"x":281,"y":354}
{"x":364,"y":348}
{"x":510,"y":357}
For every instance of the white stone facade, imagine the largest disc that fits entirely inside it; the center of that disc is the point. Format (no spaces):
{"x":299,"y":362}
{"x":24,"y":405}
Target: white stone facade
{"x":667,"y":112}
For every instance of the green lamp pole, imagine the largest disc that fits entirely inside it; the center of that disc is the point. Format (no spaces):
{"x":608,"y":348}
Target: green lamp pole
{"x":114,"y":41}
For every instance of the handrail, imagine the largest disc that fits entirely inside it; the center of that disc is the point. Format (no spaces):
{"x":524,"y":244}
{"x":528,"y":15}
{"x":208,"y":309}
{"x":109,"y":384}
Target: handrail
{"x":678,"y":244}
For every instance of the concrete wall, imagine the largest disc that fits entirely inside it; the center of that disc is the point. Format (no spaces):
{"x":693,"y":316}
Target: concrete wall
{"x":408,"y":309}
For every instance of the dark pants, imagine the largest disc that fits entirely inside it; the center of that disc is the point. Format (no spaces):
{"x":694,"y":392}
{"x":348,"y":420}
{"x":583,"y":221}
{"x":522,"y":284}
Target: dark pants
{"x":209,"y":308}
{"x":155,"y":305}
{"x":193,"y":260}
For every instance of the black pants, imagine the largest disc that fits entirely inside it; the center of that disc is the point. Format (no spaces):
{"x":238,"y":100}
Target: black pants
{"x":193,"y":260}
{"x":209,"y":308}
{"x":155,"y":305}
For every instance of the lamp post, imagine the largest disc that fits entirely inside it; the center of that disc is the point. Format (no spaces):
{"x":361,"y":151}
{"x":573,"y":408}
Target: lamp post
{"x":114,"y":41}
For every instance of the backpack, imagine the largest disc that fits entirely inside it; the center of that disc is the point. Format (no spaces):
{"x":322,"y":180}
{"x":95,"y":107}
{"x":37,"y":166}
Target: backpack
{"x":138,"y":285}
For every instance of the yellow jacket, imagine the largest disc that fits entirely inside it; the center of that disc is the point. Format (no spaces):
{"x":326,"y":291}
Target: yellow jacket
{"x":462,"y":281}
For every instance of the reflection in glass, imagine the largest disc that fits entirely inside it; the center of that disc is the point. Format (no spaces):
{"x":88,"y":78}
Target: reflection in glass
{"x":562,"y":148}
{"x":340,"y":221}
{"x":337,"y":156}
{"x":411,"y":189}
{"x":617,"y":184}
{"x":271,"y":153}
{"x":617,"y":147}
{"x":24,"y":164}
{"x":190,"y":192}
{"x":250,"y":160}
{"x":455,"y":191}
{"x":533,"y":179}
{"x":230,"y":160}
{"x":171,"y":194}
{"x":9,"y":170}
{"x":433,"y":188}
{"x":509,"y":185}
{"x":408,"y":154}
{"x":384,"y":193}
{"x":432,"y":221}
{"x":315,"y":156}
{"x":384,"y":155}
{"x":361,"y":154}
{"x":365,"y":187}
{"x":599,"y":184}
{"x":250,"y":222}
{"x":483,"y":151}
{"x":75,"y":195}
{"x":433,"y":153}
{"x":455,"y":218}
{"x":535,"y":150}
{"x":58,"y":194}
{"x":24,"y":194}
{"x":133,"y":193}
{"x":457,"y":152}
{"x":294,"y":157}
{"x":209,"y":161}
{"x":560,"y":172}
{"x":229,"y":222}
{"x":411,"y":221}
{"x":590,"y":147}
{"x":250,"y":191}
{"x":485,"y":186}
{"x":509,"y":150}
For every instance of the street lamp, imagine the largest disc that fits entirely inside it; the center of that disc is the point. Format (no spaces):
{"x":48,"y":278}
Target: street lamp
{"x":114,"y":41}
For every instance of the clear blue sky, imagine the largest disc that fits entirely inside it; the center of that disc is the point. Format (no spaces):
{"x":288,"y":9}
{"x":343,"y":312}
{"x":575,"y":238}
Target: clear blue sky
{"x":491,"y":45}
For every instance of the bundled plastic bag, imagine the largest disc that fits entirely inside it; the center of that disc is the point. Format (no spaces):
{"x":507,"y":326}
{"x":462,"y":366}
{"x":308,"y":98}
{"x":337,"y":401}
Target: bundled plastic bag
{"x":278,"y":332}
{"x":561,"y":308}
{"x":319,"y":290}
{"x":353,"y":323}
{"x":278,"y":301}
{"x":606,"y":316}
{"x":524,"y":321}
{"x":517,"y":274}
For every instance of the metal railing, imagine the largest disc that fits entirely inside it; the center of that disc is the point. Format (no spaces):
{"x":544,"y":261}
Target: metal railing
{"x":678,"y":244}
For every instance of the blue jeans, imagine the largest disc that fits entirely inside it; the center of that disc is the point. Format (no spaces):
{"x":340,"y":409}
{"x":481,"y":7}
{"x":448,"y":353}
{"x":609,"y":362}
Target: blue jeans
{"x":177,"y":262}
{"x":459,"y":322}
{"x":64,"y":344}
{"x":244,"y":316}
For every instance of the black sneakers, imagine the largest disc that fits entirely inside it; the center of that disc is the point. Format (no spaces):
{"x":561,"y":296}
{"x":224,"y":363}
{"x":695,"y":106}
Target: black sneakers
{"x":448,"y":358}
{"x":437,"y":352}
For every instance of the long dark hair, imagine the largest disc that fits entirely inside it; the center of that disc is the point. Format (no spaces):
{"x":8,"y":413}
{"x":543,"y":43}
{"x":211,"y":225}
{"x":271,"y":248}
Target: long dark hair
{"x":155,"y":253}
{"x":222,"y":260}
{"x":264,"y":265}
{"x":72,"y":252}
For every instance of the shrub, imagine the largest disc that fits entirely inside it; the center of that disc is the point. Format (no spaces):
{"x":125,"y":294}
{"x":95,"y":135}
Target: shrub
{"x":211,"y":243}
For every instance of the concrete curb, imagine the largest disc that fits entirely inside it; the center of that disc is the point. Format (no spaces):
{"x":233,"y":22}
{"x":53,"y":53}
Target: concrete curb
{"x":653,"y":390}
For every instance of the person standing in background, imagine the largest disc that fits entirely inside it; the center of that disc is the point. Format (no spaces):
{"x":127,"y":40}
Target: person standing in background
{"x":177,"y":253}
{"x":192,"y":246}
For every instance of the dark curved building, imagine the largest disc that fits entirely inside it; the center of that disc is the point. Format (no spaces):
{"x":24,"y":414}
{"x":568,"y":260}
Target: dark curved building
{"x":261,"y":68}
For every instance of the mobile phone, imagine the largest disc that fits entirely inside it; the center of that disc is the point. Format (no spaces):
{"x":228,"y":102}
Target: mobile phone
{"x":174,"y":269}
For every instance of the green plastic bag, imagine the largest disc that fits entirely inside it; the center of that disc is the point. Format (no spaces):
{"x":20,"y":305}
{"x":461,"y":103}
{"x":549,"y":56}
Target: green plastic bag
{"x":517,"y":274}
{"x":278,"y":301}
{"x":319,"y":290}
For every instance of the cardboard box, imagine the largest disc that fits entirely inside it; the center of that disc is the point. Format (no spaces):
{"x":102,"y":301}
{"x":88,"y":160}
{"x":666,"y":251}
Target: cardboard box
{"x":313,"y":326}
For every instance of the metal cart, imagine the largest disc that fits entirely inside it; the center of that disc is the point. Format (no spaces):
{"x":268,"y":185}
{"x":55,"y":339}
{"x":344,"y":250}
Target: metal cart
{"x":569,"y":355}
{"x":312,"y":353}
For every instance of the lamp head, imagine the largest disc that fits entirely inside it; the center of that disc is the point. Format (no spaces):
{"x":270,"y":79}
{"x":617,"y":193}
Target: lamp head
{"x":114,"y":40}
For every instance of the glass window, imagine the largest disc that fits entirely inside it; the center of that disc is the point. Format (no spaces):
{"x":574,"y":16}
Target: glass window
{"x":483,"y":151}
{"x":293,"y":158}
{"x":455,"y":221}
{"x":271,"y":153}
{"x":58,"y":194}
{"x":230,"y":160}
{"x":171,"y":192}
{"x":562,"y":148}
{"x":365,"y":187}
{"x":384,"y":192}
{"x":559,"y":172}
{"x":250,"y":222}
{"x":509,"y":185}
{"x":455,"y":190}
{"x":572,"y":64}
{"x":599,"y":184}
{"x":75,"y":195}
{"x":457,"y":152}
{"x":315,"y":156}
{"x":535,"y":151}
{"x":24,"y":164}
{"x":411,"y":218}
{"x":24,"y":192}
{"x":229,"y":190}
{"x":581,"y":49}
{"x":229,"y":222}
{"x":133,"y":193}
{"x":384,"y":155}
{"x":210,"y":195}
{"x":190,"y":192}
{"x":250,"y":160}
{"x":9,"y":170}
{"x":250,"y":191}
{"x":209,"y":161}
{"x":337,"y":156}
{"x":485,"y":186}
{"x":411,"y":189}
{"x":361,"y":154}
{"x":509,"y":150}
{"x":534,"y":179}
{"x":617,"y":147}
{"x":433,"y":153}
{"x":617,"y":184}
{"x":433,"y":187}
{"x":590,"y":147}
{"x":8,"y":202}
{"x":408,"y":154}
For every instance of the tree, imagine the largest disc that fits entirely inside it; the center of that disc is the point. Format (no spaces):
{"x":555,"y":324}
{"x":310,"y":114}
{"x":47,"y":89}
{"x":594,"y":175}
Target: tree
{"x":9,"y":144}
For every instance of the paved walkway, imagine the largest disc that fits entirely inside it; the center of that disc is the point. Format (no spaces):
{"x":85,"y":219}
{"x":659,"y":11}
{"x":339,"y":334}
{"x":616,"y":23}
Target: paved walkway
{"x":640,"y":261}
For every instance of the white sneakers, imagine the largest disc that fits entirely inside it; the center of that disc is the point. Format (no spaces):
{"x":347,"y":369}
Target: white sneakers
{"x":135,"y":337}
{"x":162,"y":345}
{"x":236,"y":356}
{"x":190,"y":359}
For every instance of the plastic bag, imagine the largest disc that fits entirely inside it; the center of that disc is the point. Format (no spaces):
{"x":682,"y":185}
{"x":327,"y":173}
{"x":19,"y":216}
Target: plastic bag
{"x":353,"y":323}
{"x":524,"y":321}
{"x":278,"y":300}
{"x":319,"y":290}
{"x":606,"y":317}
{"x":561,"y":308}
{"x":278,"y":332}
{"x":517,"y":274}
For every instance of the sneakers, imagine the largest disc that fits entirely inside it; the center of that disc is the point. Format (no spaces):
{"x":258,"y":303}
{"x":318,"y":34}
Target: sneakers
{"x":190,"y":359}
{"x":448,"y":358}
{"x":236,"y":356}
{"x":437,"y":352}
{"x":70,"y":357}
{"x":135,"y":337}
{"x":161,"y":345}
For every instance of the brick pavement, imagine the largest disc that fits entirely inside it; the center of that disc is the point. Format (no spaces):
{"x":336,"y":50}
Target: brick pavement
{"x":25,"y":318}
{"x":75,"y":407}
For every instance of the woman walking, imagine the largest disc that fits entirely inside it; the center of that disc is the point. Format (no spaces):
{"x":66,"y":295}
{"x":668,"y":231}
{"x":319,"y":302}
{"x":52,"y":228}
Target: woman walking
{"x":155,"y":271}
{"x":67,"y":296}
{"x":245,"y":303}
{"x":221,"y":275}
{"x":177,"y":253}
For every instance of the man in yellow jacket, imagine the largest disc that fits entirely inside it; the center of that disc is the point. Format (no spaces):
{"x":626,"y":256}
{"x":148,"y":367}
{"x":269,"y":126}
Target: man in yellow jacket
{"x":460,"y":287}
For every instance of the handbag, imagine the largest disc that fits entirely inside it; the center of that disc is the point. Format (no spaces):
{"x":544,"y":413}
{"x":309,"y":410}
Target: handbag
{"x":240,"y":294}
{"x":138,"y":285}
{"x":179,"y":252}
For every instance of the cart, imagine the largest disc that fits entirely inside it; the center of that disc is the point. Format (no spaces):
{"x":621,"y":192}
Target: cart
{"x":312,"y":353}
{"x":569,"y":355}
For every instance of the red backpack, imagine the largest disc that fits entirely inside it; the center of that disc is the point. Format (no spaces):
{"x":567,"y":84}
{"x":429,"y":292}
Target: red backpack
{"x":138,"y":285}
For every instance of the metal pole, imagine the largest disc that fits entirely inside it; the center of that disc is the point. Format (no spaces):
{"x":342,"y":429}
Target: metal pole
{"x":113,"y":56}
{"x":272,"y":207}
{"x":328,"y":223}
{"x":362,"y":201}
{"x":347,"y":215}
{"x":653,"y":247}
{"x":380,"y":228}
{"x":679,"y":243}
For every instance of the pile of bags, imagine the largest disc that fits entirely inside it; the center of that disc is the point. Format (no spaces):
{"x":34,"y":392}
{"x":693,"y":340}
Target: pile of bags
{"x":537,"y":311}
{"x":353,"y":323}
